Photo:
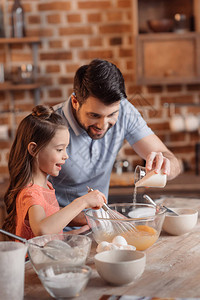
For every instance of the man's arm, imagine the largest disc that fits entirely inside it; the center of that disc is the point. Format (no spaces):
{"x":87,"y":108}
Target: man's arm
{"x":79,"y":220}
{"x":157,"y":156}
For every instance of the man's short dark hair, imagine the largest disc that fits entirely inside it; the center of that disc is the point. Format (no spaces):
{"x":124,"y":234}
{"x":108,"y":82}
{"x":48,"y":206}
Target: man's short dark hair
{"x":100,"y":79}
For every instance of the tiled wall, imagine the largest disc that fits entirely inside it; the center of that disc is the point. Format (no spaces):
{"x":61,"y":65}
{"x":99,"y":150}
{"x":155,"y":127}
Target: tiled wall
{"x":73,"y":33}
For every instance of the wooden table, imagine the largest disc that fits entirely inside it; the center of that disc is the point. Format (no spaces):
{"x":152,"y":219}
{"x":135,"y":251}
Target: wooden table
{"x":172,"y":269}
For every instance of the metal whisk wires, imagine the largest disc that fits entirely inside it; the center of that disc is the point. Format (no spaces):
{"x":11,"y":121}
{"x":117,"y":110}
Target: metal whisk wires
{"x":120,"y":223}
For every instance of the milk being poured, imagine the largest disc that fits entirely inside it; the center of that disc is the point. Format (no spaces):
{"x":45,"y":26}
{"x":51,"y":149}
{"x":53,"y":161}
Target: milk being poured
{"x":152,"y":179}
{"x":134,"y":195}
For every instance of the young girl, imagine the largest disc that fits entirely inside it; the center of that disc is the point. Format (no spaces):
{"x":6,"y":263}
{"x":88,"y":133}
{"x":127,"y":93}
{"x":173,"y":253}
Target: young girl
{"x":39,"y":150}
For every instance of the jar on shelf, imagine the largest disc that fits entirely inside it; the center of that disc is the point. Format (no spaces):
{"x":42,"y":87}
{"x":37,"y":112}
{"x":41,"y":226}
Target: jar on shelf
{"x":2,"y":33}
{"x":17,"y":14}
{"x":181,"y":23}
{"x":2,"y":75}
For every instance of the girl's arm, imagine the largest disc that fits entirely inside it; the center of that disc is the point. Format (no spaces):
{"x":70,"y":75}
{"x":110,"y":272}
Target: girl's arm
{"x":40,"y":224}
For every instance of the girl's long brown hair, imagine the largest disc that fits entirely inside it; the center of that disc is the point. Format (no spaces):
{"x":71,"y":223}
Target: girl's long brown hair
{"x":39,"y":127}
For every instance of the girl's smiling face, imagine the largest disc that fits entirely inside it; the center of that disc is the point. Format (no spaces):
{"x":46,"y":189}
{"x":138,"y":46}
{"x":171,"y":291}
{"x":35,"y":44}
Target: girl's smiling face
{"x":50,"y":158}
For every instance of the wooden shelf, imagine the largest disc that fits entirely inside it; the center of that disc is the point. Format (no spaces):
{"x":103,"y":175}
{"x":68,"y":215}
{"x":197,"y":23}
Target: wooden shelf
{"x":12,"y":84}
{"x":8,"y":86}
{"x":19,"y":40}
{"x":167,"y":35}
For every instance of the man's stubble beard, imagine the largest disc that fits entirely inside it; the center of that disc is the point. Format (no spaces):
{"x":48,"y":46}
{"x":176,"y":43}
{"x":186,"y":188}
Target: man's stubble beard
{"x":92,"y":136}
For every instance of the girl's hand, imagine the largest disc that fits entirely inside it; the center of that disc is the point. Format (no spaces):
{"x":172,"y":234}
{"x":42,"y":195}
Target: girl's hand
{"x":94,"y":199}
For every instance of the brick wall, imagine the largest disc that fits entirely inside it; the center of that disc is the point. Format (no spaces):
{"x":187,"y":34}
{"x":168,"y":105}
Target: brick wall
{"x":73,"y":33}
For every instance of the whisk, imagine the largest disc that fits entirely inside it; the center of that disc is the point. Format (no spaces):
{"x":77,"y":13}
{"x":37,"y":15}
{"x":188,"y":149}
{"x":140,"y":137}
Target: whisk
{"x":122,"y":226}
{"x":23,"y":240}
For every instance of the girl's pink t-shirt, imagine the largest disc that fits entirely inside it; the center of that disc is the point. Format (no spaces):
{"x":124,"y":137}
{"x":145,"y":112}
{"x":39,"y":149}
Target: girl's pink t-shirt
{"x":31,"y":195}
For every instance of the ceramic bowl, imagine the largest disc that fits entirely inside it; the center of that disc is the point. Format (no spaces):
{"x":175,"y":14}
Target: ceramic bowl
{"x":161,"y":25}
{"x":71,"y":250}
{"x":62,"y":281}
{"x":145,"y":218}
{"x":178,"y":225}
{"x":120,"y":267}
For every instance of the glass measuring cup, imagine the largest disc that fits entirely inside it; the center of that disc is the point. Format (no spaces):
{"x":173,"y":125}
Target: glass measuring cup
{"x":142,"y":178}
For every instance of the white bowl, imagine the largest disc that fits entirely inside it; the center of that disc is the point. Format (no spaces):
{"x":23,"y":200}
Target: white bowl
{"x":74,"y":254}
{"x":178,"y":225}
{"x":120,"y":267}
{"x":62,"y":281}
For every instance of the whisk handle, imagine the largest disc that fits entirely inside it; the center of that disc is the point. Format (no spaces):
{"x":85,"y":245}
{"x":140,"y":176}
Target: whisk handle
{"x":105,"y":207}
{"x":90,"y":189}
{"x":13,"y":236}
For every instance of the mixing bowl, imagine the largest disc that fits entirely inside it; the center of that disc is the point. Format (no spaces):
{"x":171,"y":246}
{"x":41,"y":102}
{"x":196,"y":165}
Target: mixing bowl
{"x":69,"y":249}
{"x":62,"y":281}
{"x":178,"y":225}
{"x":120,"y":266}
{"x":147,"y":220}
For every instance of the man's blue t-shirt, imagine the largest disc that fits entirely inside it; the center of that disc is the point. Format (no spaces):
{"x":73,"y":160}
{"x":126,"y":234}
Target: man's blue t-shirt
{"x":90,"y":161}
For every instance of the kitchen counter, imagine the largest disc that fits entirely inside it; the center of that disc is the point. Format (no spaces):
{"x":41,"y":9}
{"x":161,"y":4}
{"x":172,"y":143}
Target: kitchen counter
{"x":186,"y":180}
{"x":124,"y":179}
{"x":172,"y":268}
{"x":185,"y":184}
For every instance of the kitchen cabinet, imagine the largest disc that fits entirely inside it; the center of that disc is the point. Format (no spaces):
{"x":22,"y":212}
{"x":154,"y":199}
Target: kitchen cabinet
{"x":166,"y":57}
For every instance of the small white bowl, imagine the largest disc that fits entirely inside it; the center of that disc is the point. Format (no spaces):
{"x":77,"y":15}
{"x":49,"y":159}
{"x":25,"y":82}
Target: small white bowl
{"x":178,"y":225}
{"x":62,"y":281}
{"x":120,"y":267}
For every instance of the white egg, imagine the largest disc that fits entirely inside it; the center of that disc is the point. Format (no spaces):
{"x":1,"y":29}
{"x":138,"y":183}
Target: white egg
{"x":113,"y":247}
{"x":128,"y":247}
{"x":119,"y":240}
{"x":101,"y":247}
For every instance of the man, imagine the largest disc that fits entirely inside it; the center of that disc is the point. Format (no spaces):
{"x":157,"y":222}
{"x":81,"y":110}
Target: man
{"x":99,"y":118}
